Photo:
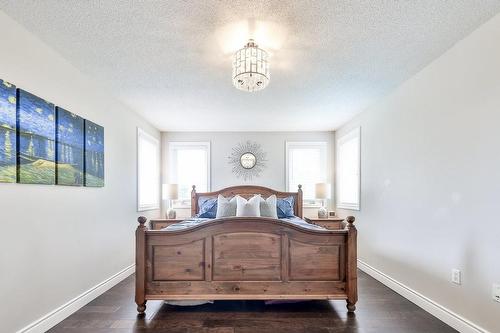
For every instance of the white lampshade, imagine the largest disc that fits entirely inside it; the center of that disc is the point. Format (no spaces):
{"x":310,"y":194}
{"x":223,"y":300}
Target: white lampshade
{"x":169,"y":191}
{"x":322,"y":191}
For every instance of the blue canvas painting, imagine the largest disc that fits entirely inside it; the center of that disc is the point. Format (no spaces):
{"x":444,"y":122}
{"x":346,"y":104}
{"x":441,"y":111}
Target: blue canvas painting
{"x":8,"y":146}
{"x":94,"y":154}
{"x":69,"y":149}
{"x":36,"y":135}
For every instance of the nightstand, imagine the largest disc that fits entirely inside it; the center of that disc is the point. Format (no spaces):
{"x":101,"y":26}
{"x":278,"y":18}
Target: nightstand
{"x":157,"y":224}
{"x":332,"y":223}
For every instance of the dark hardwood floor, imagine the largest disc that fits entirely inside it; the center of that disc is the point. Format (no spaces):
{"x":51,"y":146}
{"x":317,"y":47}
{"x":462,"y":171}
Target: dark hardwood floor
{"x":379,"y":310}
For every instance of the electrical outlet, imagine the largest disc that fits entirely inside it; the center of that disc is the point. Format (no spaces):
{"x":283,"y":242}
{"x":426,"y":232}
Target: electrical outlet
{"x":456,"y":276}
{"x":496,"y":292}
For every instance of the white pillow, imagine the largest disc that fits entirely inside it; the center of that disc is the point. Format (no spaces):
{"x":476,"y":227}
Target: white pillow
{"x":268,"y":207}
{"x":225,"y":207}
{"x":249,"y":207}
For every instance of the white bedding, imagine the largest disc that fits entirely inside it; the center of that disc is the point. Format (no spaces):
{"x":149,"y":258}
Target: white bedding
{"x":194,"y":221}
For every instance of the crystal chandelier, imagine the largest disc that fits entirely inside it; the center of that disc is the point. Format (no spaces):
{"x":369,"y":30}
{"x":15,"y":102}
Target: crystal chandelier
{"x":250,"y":68}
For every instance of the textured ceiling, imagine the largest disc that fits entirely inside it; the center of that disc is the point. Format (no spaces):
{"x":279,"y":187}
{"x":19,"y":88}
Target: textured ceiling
{"x":170,"y":60}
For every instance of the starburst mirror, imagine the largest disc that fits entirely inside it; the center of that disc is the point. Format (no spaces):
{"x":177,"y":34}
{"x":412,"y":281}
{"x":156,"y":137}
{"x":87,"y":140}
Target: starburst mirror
{"x":248,"y":160}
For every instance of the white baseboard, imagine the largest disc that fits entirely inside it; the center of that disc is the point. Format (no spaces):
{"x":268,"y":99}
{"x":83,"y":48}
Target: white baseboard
{"x":64,"y":311}
{"x":444,"y":314}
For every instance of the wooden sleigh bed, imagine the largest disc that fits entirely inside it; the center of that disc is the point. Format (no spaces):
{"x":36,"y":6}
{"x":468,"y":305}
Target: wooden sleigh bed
{"x":246,"y":258}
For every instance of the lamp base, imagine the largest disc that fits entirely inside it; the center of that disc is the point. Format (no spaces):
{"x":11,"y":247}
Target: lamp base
{"x":322,"y":213}
{"x":171,"y":214}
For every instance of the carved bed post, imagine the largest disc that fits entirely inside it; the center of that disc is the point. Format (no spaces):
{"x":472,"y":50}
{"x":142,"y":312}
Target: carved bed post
{"x":300,"y":203}
{"x":194,"y":202}
{"x":140,"y":263}
{"x":352,"y":265}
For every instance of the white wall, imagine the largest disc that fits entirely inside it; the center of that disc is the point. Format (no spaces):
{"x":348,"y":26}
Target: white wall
{"x":273,"y":143}
{"x":57,"y":242}
{"x":431,"y":179}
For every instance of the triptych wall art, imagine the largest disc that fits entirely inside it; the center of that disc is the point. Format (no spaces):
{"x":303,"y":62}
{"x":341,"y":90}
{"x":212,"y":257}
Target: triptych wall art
{"x":44,"y":144}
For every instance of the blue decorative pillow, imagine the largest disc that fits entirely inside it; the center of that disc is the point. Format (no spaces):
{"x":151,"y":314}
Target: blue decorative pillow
{"x":284,"y":206}
{"x":207,"y":207}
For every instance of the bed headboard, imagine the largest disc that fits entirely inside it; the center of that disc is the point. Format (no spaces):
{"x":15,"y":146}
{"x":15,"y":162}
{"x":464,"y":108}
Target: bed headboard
{"x":248,"y":191}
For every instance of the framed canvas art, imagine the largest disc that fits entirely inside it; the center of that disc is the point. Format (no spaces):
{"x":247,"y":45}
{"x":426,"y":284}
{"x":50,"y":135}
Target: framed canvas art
{"x":94,"y":154}
{"x":69,"y":149}
{"x":36,"y":135}
{"x":8,"y":139}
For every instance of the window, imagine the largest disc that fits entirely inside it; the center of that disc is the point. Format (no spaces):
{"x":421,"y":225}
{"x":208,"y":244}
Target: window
{"x":148,"y":171}
{"x":189,"y":164}
{"x":306,"y":164}
{"x":348,"y":170}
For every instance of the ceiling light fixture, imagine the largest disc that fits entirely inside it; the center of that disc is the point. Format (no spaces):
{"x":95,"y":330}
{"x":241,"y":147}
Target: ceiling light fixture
{"x":250,"y":68}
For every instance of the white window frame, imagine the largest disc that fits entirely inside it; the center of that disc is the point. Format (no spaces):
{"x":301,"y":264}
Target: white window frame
{"x":172,"y":145}
{"x":143,"y":135}
{"x":352,"y":134}
{"x":323,"y":145}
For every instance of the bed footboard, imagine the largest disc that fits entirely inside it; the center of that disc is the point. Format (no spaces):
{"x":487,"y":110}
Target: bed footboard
{"x":247,"y":259}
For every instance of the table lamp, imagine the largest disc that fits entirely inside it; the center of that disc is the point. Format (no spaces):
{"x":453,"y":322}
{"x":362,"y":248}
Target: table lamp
{"x":170,"y":193}
{"x":323,"y":193}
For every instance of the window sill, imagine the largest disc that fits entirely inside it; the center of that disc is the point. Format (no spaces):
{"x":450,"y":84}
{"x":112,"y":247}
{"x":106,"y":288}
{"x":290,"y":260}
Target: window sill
{"x":348,"y":206}
{"x":181,"y":207}
{"x":146,"y":208}
{"x":312,"y":206}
